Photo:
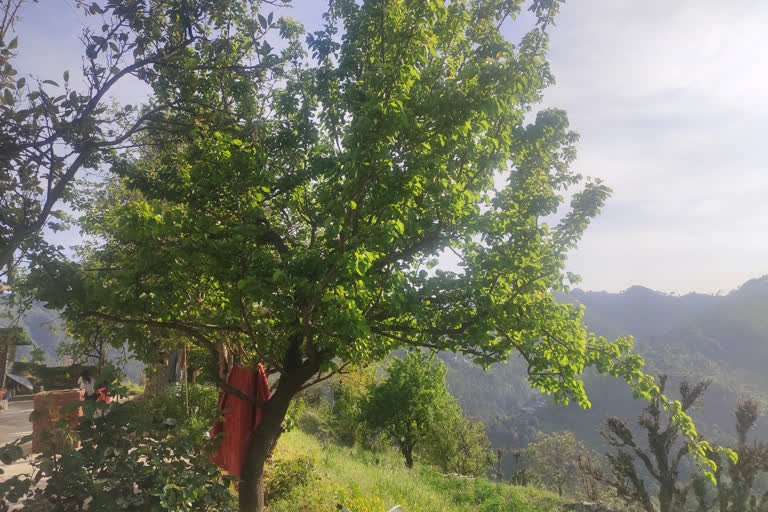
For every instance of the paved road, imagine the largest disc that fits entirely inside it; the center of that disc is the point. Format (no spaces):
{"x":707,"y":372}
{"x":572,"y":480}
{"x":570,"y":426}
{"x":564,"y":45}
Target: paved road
{"x":14,"y":423}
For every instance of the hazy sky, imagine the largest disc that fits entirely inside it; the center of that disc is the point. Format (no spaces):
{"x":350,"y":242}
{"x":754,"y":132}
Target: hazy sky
{"x":671,"y":101}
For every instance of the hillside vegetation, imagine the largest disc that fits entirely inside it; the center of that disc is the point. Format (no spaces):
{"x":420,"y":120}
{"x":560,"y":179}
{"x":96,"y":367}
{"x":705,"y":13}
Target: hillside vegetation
{"x":694,"y":336}
{"x":365,"y":481}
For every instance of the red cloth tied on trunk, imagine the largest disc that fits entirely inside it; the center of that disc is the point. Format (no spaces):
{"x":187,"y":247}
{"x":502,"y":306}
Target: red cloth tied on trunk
{"x":240,"y":418}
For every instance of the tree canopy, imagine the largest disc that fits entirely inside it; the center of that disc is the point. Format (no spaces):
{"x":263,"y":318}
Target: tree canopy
{"x":57,"y":126}
{"x":416,"y":411}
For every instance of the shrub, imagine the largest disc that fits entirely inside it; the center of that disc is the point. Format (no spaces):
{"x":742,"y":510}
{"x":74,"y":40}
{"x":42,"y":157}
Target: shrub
{"x":129,"y":460}
{"x":283,"y":475}
{"x":203,"y":401}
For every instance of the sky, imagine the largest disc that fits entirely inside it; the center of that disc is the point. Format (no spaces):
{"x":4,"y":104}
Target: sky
{"x":671,"y":101}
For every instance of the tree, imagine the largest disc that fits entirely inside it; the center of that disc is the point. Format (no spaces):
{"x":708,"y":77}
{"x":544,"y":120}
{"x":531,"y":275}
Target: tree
{"x":348,"y":393}
{"x":52,"y":129}
{"x":37,"y":355}
{"x":415,"y":409}
{"x":735,"y":480}
{"x":409,"y":402}
{"x":458,"y":444}
{"x":660,"y":459}
{"x":300,"y":220}
{"x":553,"y":460}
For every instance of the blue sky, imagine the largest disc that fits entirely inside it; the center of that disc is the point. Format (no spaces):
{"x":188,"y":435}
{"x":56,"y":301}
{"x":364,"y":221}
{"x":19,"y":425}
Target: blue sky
{"x":671,"y":101}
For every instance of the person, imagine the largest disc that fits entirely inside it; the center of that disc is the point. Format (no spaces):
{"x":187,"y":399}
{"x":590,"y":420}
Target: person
{"x":86,"y":382}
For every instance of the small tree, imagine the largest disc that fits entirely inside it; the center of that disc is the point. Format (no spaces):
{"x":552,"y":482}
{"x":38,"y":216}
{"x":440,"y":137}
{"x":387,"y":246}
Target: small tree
{"x":457,"y":444}
{"x":552,"y":460}
{"x":736,"y":480}
{"x":660,"y":459}
{"x":409,"y":402}
{"x":37,"y":355}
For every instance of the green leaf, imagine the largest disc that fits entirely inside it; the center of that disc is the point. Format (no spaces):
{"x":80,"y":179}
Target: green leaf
{"x":21,"y":82}
{"x":14,"y":43}
{"x":51,"y":82}
{"x":66,"y":76}
{"x":7,"y":97}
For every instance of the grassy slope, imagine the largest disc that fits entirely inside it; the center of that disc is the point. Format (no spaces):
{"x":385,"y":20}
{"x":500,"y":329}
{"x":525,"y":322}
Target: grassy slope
{"x":368,"y":482}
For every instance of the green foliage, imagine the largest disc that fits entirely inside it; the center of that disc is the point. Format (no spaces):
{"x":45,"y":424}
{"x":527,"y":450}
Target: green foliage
{"x":200,"y":363}
{"x":457,"y":444}
{"x":37,"y":355}
{"x":365,"y":481}
{"x":410,"y":402}
{"x":283,"y":475}
{"x":295,"y":408}
{"x":349,"y":394}
{"x":553,"y":461}
{"x":78,"y":128}
{"x":130,"y":460}
{"x":413,"y":407}
{"x":203,"y":403}
{"x":385,"y":152}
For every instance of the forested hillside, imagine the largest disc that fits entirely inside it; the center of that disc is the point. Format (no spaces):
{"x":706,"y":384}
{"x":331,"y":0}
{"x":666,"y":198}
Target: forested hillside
{"x":695,"y":336}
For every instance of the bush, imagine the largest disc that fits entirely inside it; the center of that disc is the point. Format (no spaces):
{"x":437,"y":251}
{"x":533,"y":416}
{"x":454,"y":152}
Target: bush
{"x":349,"y":395}
{"x":203,"y":401}
{"x":284,"y":475}
{"x":130,"y":460}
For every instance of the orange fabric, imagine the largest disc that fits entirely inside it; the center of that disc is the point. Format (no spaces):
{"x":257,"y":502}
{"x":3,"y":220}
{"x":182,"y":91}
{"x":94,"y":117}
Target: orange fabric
{"x":240,"y":418}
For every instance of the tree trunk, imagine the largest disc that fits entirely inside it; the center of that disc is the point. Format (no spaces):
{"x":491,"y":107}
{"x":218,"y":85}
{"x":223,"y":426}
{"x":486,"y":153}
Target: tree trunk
{"x":666,"y":496}
{"x":408,"y":454}
{"x":263,"y":441}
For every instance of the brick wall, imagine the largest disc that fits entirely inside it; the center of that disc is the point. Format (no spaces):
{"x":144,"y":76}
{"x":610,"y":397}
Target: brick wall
{"x":47,"y":434}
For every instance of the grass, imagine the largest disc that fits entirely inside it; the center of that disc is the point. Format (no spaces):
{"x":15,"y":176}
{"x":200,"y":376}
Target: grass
{"x":364,"y":481}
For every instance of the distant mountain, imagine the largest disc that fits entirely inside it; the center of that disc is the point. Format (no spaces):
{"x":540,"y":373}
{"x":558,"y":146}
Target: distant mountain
{"x":723,"y":337}
{"x":46,"y":329}
{"x":694,"y":336}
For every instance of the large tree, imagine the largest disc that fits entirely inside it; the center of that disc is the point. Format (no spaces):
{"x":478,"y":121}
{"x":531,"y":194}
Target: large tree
{"x":301,"y":220}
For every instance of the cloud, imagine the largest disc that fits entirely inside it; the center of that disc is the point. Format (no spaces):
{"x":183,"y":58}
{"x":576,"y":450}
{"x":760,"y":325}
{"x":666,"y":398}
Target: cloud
{"x":670,"y":99}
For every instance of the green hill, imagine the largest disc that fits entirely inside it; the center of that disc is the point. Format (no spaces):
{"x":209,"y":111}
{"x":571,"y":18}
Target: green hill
{"x":375,"y":482}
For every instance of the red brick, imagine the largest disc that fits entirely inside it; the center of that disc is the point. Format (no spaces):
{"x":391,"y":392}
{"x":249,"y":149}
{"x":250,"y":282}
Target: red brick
{"x":47,"y":412}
